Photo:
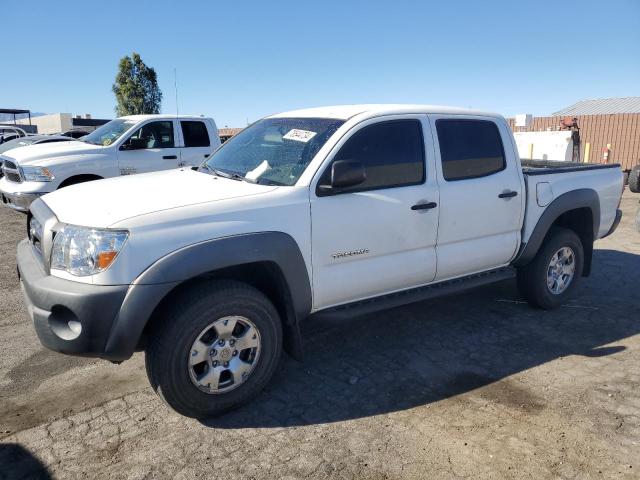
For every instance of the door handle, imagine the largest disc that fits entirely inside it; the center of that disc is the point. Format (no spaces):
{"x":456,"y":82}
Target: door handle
{"x":508,"y":194}
{"x":169,"y":157}
{"x":424,"y":206}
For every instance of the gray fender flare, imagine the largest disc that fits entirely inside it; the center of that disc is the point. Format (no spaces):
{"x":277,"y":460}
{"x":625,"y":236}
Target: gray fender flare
{"x":151,"y":287}
{"x":581,"y":198}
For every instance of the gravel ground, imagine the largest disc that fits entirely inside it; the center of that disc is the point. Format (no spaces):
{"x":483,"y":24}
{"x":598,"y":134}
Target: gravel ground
{"x":477,"y":385}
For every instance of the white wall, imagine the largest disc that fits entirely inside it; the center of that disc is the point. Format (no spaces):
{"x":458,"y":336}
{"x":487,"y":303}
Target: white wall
{"x":54,"y":123}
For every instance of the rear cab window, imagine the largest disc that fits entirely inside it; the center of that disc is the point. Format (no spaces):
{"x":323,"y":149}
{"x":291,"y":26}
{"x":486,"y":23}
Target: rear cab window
{"x":469,"y":148}
{"x":195,"y":133}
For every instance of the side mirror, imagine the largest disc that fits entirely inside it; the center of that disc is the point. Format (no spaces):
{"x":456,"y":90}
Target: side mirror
{"x":347,"y":173}
{"x":135,"y":144}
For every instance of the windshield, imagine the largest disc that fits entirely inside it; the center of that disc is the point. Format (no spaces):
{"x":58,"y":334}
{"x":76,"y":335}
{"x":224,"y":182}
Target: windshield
{"x":273,"y":151}
{"x":109,"y":132}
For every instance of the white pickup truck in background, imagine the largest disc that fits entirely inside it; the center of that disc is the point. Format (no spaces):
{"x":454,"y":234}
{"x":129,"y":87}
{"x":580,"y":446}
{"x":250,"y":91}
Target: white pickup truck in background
{"x":124,"y":146}
{"x":330,"y":212}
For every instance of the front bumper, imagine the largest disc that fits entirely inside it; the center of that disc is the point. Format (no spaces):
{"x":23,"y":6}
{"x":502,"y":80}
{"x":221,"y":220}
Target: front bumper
{"x":69,"y":317}
{"x":18,"y":201}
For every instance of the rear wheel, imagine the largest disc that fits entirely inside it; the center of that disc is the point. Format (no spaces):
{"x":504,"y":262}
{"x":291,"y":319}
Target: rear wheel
{"x":550,"y":278}
{"x":215,"y":348}
{"x":634,"y":179}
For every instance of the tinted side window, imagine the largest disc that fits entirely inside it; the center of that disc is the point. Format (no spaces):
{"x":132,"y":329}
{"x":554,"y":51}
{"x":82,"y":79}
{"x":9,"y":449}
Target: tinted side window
{"x":157,"y":134}
{"x":469,"y":148}
{"x":392,"y":153}
{"x":195,"y":134}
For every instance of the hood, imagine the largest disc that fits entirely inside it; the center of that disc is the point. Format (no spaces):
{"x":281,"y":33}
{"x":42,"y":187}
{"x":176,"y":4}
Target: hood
{"x":102,"y":203}
{"x":31,"y":154}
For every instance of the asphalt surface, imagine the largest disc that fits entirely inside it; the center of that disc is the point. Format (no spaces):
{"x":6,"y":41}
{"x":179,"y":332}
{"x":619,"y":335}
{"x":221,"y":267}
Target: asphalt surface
{"x":477,"y":385}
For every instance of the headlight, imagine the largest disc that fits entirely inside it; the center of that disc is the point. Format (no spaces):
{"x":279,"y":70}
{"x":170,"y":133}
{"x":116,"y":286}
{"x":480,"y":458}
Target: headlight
{"x":85,"y":251}
{"x":37,"y":174}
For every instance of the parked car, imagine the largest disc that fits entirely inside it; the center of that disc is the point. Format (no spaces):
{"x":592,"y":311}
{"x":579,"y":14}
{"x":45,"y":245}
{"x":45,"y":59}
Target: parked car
{"x":127,"y":145}
{"x":331,"y":212}
{"x":9,"y":132}
{"x":75,"y":133}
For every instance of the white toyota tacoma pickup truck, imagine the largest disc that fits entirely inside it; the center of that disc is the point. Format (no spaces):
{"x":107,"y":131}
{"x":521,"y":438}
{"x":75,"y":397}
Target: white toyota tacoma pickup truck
{"x":331,"y":212}
{"x":126,"y":145}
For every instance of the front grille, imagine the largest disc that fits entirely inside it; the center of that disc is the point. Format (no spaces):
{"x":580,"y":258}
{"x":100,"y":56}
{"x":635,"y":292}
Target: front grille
{"x":40,"y":224}
{"x":11,"y":171}
{"x":13,"y":177}
{"x":35,"y":232}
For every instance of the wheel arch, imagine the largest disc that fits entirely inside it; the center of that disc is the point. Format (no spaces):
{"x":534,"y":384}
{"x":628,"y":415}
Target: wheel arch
{"x":578,"y":210}
{"x":75,"y":179}
{"x":270,"y":261}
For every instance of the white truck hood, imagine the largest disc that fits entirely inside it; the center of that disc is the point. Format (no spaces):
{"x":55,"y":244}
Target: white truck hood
{"x":32,"y":154}
{"x":102,"y":203}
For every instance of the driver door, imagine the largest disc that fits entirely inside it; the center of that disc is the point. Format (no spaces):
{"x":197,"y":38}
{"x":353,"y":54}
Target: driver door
{"x":150,"y":148}
{"x":379,"y":236}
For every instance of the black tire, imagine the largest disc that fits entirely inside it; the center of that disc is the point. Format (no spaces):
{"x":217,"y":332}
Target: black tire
{"x":634,"y":179}
{"x":172,"y":337}
{"x":532,"y":278}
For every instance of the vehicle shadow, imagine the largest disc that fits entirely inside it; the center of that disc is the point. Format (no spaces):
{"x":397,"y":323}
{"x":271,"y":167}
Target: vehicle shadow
{"x":17,"y":462}
{"x":426,"y":352}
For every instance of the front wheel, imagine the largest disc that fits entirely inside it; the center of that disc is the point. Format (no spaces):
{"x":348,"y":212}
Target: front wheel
{"x":216,"y":347}
{"x":550,"y":278}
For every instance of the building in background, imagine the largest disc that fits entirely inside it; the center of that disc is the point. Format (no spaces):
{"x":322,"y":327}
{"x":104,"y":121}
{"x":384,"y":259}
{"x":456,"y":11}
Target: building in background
{"x":609,"y":129}
{"x":227,"y":133}
{"x":62,"y":122}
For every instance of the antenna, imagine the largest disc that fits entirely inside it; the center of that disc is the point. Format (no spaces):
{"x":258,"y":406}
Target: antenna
{"x":175,"y":84}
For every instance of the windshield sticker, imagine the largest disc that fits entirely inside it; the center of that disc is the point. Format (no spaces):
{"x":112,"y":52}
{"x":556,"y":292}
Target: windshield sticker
{"x":299,"y":135}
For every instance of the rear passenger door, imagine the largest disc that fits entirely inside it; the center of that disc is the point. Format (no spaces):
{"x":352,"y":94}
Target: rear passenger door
{"x":481,"y":194}
{"x":379,"y":236}
{"x":196,"y":141}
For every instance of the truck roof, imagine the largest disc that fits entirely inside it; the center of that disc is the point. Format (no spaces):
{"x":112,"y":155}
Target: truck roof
{"x":163,"y":115}
{"x":344,"y":112}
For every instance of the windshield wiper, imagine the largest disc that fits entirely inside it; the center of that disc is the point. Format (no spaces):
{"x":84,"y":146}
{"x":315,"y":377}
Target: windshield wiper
{"x":207,"y":167}
{"x":267,"y":181}
{"x":231,"y":175}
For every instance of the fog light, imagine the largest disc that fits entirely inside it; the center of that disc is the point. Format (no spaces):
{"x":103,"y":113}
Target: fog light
{"x":64,"y":323}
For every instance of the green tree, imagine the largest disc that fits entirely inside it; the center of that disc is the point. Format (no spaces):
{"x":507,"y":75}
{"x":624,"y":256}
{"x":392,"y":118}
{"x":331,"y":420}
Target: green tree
{"x":136,"y":87}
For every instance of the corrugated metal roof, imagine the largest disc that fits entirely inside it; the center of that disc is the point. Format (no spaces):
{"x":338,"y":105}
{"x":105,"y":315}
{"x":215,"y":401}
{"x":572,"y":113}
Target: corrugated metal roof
{"x":600,"y":106}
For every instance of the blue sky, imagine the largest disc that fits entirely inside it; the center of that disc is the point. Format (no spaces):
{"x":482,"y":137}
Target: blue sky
{"x":238,"y":61}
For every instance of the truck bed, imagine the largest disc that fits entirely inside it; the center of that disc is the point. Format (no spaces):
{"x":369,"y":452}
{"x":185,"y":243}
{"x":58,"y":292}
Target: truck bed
{"x":547,"y":167}
{"x":545,"y":183}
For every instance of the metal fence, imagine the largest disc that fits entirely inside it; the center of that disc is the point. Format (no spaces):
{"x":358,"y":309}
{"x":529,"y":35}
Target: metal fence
{"x":620,"y":133}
